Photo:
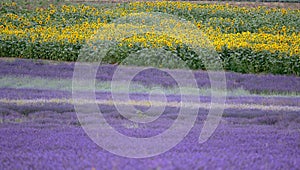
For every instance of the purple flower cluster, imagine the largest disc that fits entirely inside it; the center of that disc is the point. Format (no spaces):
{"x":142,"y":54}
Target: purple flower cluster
{"x":15,"y":94}
{"x":49,"y":135}
{"x":250,"y":82}
{"x":51,"y":140}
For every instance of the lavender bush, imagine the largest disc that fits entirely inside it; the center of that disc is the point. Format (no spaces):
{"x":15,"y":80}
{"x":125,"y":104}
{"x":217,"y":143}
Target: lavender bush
{"x":40,"y":129}
{"x":254,"y":83}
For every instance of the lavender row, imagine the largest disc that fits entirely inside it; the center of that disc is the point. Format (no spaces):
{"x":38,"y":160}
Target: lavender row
{"x":11,"y":110}
{"x":35,"y":94}
{"x":51,"y":141}
{"x":250,"y":82}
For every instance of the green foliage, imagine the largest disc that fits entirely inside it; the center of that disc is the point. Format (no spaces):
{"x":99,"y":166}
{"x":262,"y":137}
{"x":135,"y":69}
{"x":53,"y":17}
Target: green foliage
{"x":227,"y":19}
{"x":37,"y":50}
{"x":245,"y":60}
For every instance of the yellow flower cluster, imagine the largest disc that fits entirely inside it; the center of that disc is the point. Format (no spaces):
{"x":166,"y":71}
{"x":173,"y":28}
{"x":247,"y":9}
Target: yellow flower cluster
{"x":164,"y":31}
{"x":265,"y":38}
{"x":256,"y":41}
{"x":71,"y":34}
{"x":151,"y":40}
{"x":42,"y":27}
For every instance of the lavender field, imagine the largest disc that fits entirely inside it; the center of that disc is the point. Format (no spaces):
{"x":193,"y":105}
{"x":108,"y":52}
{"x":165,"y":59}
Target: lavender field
{"x":259,"y":129}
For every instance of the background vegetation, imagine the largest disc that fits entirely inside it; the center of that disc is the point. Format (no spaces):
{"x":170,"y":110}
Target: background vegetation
{"x":248,"y":40}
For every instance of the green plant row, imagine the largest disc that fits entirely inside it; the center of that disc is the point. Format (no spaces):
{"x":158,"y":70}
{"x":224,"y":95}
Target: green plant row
{"x":241,"y":60}
{"x":49,"y":33}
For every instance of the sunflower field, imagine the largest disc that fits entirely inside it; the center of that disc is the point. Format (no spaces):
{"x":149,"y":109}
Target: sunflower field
{"x":248,"y":40}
